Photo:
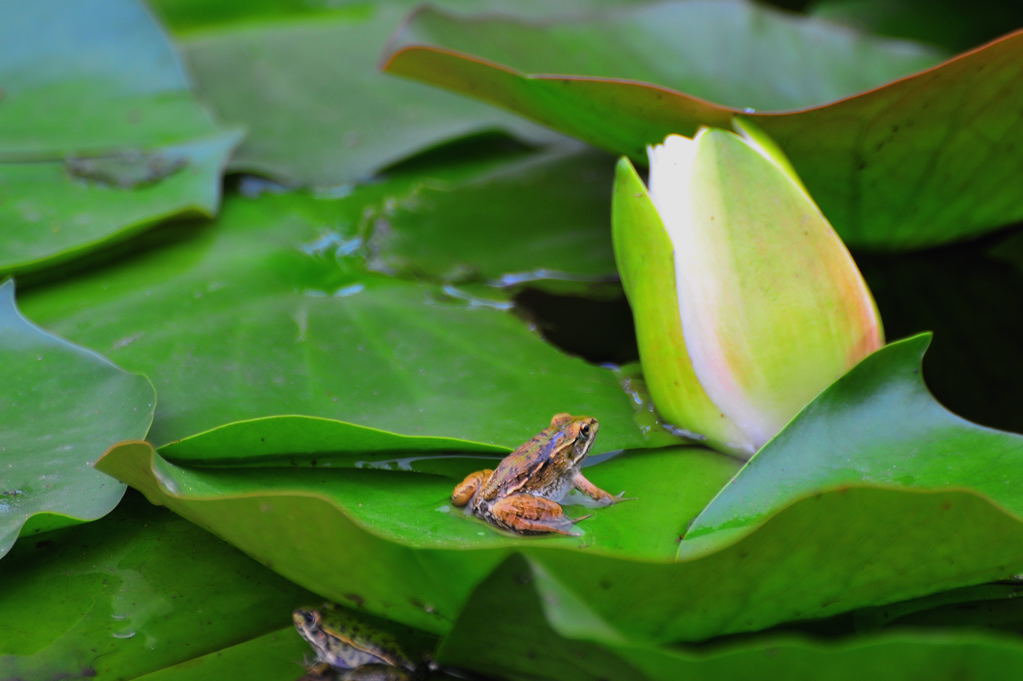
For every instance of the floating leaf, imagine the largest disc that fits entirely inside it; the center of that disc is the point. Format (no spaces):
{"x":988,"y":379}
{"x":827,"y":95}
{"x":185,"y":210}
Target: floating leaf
{"x":274,"y":440}
{"x":62,"y":405}
{"x":504,"y":625}
{"x":389,"y":541}
{"x":823,"y":555}
{"x":99,"y":132}
{"x":141,"y":591}
{"x":271,"y":310}
{"x":925,"y":159}
{"x":277,"y":656}
{"x":877,"y":424}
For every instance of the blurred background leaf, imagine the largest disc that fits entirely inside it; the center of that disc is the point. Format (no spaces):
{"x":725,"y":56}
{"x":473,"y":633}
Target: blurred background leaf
{"x":920,"y":161}
{"x":948,"y":23}
{"x":762,"y":64}
{"x":99,"y":131}
{"x":322,"y":113}
{"x":477,"y":231}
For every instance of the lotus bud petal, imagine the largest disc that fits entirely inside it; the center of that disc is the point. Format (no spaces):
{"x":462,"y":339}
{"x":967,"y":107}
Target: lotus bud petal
{"x":746,"y":302}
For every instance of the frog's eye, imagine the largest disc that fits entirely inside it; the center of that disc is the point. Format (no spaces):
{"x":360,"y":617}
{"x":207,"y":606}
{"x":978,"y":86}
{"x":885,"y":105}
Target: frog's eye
{"x":306,"y":618}
{"x":584,"y":430}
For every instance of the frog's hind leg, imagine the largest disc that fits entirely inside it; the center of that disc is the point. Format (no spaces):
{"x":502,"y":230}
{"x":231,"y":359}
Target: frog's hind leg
{"x":465,"y":490}
{"x":527,"y":514}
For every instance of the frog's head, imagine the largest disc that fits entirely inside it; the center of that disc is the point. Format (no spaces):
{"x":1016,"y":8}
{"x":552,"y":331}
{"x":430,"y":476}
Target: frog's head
{"x":579,"y":431}
{"x":309,"y":624}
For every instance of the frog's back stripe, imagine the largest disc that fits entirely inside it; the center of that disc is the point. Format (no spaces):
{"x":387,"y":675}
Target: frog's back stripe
{"x":553,"y":444}
{"x":380,"y":647}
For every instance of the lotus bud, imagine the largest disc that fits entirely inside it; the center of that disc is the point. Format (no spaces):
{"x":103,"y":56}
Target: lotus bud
{"x":746,"y":302}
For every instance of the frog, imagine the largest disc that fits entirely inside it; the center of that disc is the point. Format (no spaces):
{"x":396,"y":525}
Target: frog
{"x":347,"y":649}
{"x":521,"y":495}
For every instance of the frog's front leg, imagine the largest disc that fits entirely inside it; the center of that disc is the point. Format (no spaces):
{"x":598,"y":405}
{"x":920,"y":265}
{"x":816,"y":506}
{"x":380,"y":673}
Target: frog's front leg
{"x":465,"y":490}
{"x":595,"y":493}
{"x":318,"y":672}
{"x":528,"y":514}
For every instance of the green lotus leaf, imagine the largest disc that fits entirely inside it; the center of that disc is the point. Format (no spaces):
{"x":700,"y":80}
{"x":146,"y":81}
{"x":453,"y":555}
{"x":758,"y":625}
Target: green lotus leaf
{"x":62,"y":406}
{"x":139,"y":592}
{"x":272,"y":310}
{"x":93,"y":147}
{"x":277,"y":440}
{"x":877,"y":424}
{"x":986,"y":607}
{"x":390,"y":542}
{"x":825,"y":554}
{"x":277,"y":656}
{"x":505,"y":625}
{"x":918,"y":160}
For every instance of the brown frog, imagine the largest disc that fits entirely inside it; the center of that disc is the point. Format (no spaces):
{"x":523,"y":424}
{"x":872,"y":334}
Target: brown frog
{"x":523,"y":492}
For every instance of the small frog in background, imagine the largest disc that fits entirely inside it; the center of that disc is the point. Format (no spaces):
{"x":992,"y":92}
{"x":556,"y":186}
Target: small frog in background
{"x":347,"y":650}
{"x":522,"y":493}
